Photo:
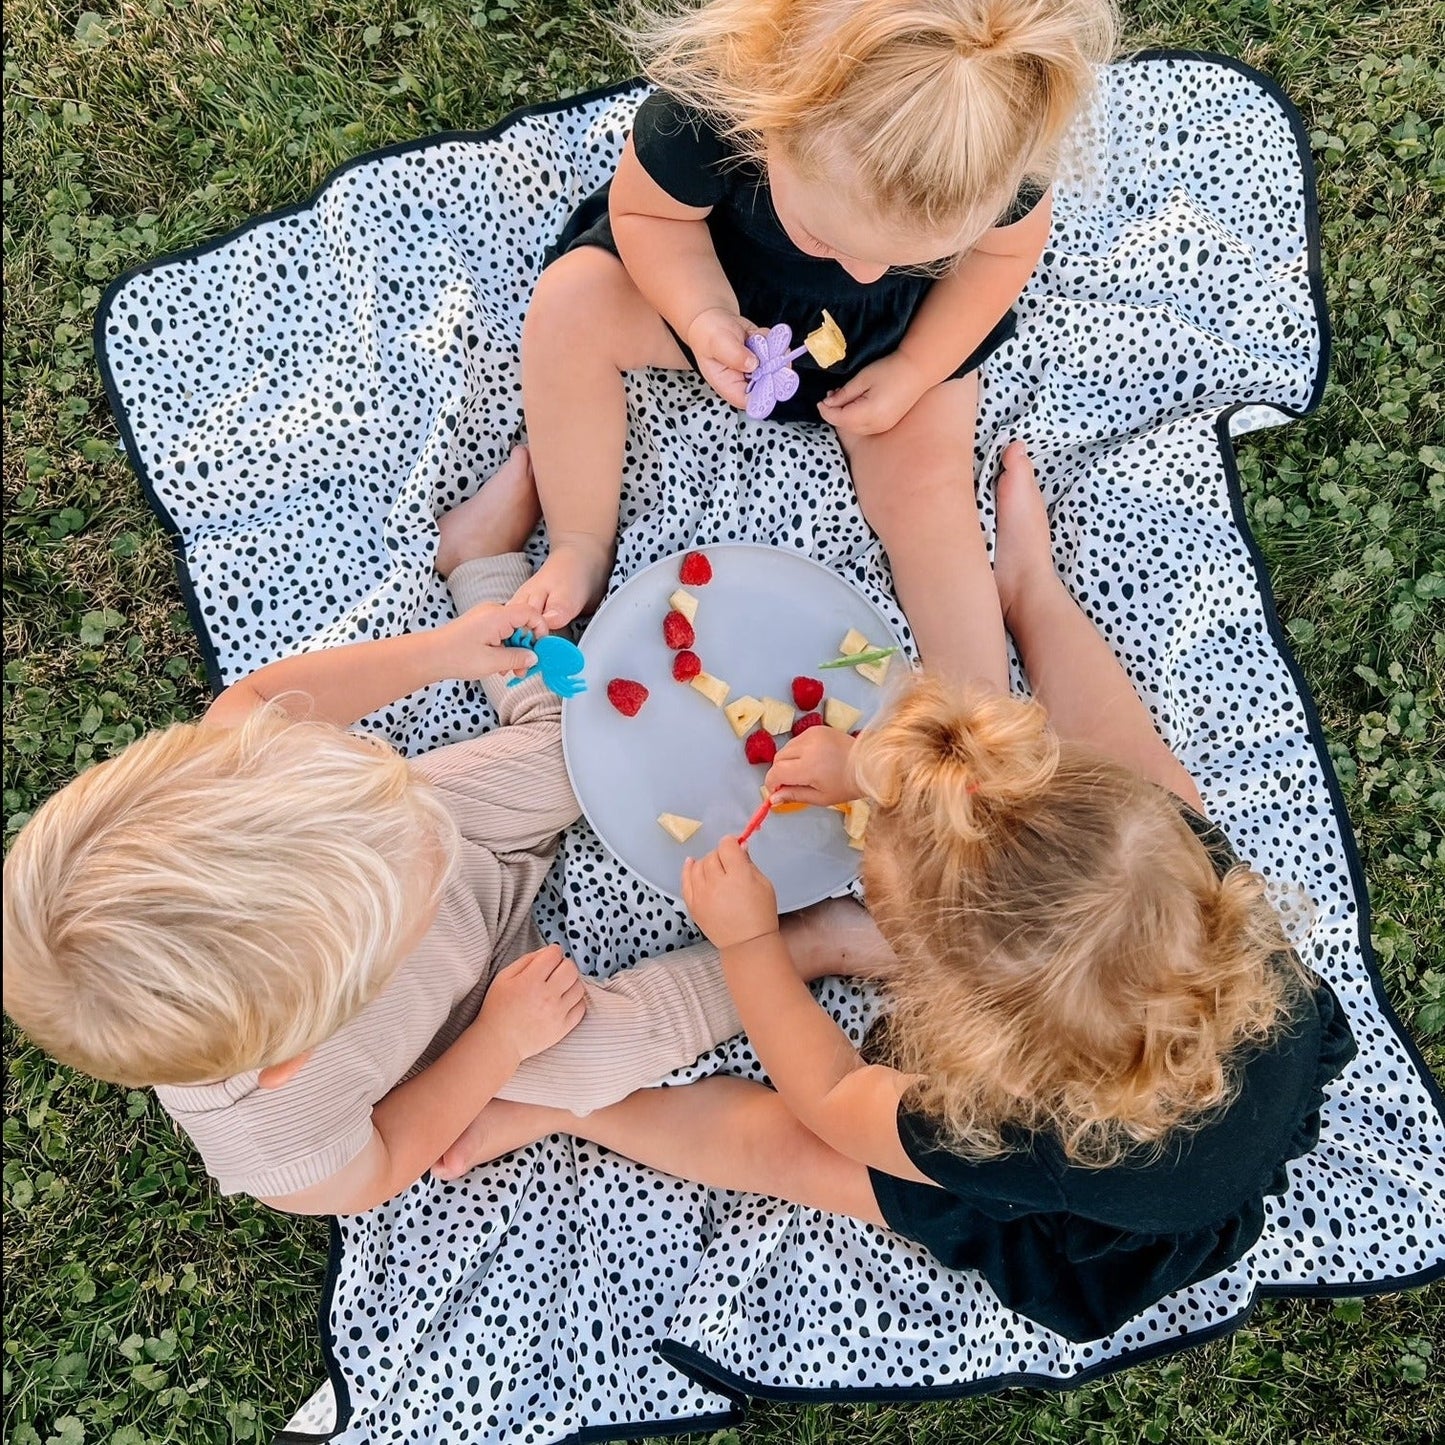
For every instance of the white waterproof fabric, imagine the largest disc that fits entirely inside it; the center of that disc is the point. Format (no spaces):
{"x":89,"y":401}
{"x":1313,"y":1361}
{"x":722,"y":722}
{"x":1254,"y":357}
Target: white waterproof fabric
{"x":302,"y":398}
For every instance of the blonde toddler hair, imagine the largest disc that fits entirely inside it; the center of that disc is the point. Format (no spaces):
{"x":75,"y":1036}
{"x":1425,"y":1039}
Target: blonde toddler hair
{"x":940,"y":109}
{"x":215,"y":900}
{"x":1072,"y":962}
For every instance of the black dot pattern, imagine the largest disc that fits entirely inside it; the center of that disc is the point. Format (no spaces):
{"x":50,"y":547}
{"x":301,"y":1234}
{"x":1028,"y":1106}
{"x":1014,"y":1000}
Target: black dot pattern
{"x":303,"y":398}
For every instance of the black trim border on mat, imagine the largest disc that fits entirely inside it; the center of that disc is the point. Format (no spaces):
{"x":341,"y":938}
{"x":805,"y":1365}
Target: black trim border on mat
{"x":682,"y":1357}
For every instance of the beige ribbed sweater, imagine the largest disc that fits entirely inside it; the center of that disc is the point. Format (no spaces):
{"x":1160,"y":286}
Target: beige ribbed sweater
{"x":509,"y":794}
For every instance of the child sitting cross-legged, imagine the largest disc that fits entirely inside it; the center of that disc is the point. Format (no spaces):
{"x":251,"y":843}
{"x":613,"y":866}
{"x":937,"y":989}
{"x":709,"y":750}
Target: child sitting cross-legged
{"x":322,"y":956}
{"x":889,"y":164}
{"x":1101,"y":1052}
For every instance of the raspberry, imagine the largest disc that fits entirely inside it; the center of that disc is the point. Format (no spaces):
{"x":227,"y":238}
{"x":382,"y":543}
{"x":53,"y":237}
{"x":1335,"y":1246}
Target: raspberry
{"x":686,"y":666}
{"x":677,"y":631}
{"x":626,"y":696}
{"x":807,"y":693}
{"x":760,"y":748}
{"x":808,"y":720}
{"x":696,"y":570}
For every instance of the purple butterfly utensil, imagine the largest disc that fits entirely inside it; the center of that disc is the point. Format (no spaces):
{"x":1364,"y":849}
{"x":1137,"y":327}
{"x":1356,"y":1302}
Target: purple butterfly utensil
{"x":774,"y":379}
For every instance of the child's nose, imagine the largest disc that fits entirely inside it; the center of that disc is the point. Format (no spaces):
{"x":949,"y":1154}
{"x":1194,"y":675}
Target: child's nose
{"x":864,"y":272}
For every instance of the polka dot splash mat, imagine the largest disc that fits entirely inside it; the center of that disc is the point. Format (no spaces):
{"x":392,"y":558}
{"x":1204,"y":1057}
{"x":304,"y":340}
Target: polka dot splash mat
{"x":300,"y":400}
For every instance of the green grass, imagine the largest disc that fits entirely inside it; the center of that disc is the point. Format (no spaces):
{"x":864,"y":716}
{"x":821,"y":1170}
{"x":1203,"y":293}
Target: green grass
{"x":141,"y":1307}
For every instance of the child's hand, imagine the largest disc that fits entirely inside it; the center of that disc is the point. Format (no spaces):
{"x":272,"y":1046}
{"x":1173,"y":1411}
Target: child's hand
{"x":878,"y":398}
{"x":729,"y":896}
{"x":816,"y":767}
{"x":534,"y":1002}
{"x":718,"y":339}
{"x":476,"y":641}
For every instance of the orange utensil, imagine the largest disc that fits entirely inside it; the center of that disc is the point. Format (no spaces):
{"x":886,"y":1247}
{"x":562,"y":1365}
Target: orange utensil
{"x":756,"y":821}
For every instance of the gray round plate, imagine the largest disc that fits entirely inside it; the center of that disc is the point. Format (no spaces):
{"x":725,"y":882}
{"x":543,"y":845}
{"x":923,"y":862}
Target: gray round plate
{"x":767,"y":616}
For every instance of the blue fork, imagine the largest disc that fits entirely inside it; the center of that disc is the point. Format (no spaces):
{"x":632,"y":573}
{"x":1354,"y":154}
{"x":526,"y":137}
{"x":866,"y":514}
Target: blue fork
{"x":559,"y":662}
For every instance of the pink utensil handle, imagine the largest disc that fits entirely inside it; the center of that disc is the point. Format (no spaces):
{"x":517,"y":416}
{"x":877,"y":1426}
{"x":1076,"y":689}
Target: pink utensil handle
{"x":756,"y":821}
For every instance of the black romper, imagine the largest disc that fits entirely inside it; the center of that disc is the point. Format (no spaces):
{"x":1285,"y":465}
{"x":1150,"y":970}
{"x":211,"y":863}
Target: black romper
{"x":1081,"y":1251}
{"x":774,"y":281}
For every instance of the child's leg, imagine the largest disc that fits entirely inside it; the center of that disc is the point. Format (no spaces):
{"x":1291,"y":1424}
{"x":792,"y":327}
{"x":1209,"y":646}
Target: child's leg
{"x":915,"y":486}
{"x":496,"y":521}
{"x":723,"y":1132}
{"x":658,"y":1016}
{"x":587,"y":325}
{"x":1071,"y":669}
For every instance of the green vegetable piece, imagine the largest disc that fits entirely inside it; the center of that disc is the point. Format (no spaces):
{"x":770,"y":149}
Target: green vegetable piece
{"x":869,"y":654}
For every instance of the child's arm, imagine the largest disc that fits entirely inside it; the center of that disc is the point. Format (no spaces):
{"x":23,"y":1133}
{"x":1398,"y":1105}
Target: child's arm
{"x":963,"y":307}
{"x":530,"y":1005}
{"x":668,"y":252}
{"x":846,"y":1102}
{"x":957,"y":313}
{"x":343,"y":684}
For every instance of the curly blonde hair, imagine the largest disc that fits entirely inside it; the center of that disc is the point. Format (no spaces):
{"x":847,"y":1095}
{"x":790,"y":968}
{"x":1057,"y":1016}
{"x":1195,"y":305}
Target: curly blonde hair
{"x":1072,"y":961}
{"x":940,"y":109}
{"x":215,"y":900}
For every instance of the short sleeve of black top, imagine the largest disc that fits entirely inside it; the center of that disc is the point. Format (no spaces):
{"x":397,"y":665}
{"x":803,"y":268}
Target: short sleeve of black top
{"x":1083,"y":1250}
{"x":773,"y":280}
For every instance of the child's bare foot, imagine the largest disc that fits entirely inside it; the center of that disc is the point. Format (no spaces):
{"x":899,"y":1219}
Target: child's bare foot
{"x":571,"y":580}
{"x":836,"y":936}
{"x":501,"y":1127}
{"x":1023,"y":557}
{"x":498,"y":520}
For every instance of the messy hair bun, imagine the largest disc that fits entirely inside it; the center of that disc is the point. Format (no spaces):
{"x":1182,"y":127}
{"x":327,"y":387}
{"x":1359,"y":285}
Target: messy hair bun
{"x":953,"y":766}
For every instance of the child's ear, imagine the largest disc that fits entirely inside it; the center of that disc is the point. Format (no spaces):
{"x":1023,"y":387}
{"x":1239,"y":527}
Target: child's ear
{"x":274,"y":1075}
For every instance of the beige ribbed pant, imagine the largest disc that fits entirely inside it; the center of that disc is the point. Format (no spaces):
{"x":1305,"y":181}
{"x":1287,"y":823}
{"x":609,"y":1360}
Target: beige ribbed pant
{"x":647,"y":1020}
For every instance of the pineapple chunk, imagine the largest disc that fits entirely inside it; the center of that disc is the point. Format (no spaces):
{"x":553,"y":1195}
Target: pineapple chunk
{"x":826,"y":344}
{"x":678,"y":827}
{"x":855,"y":821}
{"x":714,"y":689}
{"x":683,"y":601}
{"x":777,"y":716}
{"x":742,"y":713}
{"x":841,"y":715}
{"x":874,"y":672}
{"x":853,"y":642}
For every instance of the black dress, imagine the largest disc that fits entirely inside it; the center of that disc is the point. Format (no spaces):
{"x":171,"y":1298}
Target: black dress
{"x":1083,"y":1250}
{"x":774,"y":281}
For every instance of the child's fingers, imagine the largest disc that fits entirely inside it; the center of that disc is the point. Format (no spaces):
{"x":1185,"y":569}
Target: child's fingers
{"x":713,"y":871}
{"x":514,"y":659}
{"x":849,"y":392}
{"x":787,"y":772}
{"x":523,"y":613}
{"x":790,"y":795}
{"x":733,"y":390}
{"x":853,"y":415}
{"x":561,"y":972}
{"x":542,"y":959}
{"x":732,"y":351}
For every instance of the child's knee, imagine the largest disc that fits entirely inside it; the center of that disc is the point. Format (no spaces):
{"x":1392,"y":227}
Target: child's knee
{"x":929,"y":491}
{"x":580,"y":288}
